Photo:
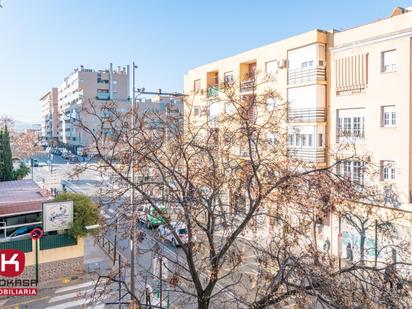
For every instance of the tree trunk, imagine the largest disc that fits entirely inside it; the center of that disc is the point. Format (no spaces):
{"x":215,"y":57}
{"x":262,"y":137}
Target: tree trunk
{"x":203,"y":303}
{"x":362,"y":245}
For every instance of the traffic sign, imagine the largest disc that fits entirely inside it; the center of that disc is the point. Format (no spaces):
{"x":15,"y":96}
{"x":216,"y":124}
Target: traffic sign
{"x":37,"y":233}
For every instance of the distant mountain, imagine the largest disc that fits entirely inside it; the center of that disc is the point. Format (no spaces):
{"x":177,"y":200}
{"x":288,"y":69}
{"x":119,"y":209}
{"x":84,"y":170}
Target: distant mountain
{"x":20,"y":126}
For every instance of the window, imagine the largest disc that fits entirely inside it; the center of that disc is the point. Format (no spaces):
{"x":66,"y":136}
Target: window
{"x":196,"y":85}
{"x":271,"y":103}
{"x":387,"y":171}
{"x":352,"y":170}
{"x":228,"y":78}
{"x":350,"y":127}
{"x":389,"y":61}
{"x":270,"y":67}
{"x":300,"y":140}
{"x":320,"y":140}
{"x":271,"y":138}
{"x":307,"y":64}
{"x":388,"y":116}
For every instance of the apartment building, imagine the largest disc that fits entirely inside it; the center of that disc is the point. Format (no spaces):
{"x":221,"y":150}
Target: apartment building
{"x":370,"y":101}
{"x":49,"y":114}
{"x":158,"y":108}
{"x":342,"y":88}
{"x":83,"y":87}
{"x":297,"y":68}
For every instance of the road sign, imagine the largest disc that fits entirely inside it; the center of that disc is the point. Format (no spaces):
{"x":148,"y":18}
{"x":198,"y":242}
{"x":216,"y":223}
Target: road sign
{"x":37,"y":233}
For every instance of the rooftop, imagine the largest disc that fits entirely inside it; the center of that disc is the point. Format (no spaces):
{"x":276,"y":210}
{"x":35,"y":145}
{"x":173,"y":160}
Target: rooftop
{"x":21,"y":196}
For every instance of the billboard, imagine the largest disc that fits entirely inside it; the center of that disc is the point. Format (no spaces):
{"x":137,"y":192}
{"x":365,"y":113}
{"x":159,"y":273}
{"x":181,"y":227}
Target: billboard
{"x":57,"y":216}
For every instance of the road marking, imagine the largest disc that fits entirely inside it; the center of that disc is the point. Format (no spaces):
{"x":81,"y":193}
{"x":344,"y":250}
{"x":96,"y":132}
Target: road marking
{"x":104,"y":214}
{"x":75,"y":287}
{"x":75,"y":303}
{"x":27,"y":302}
{"x":70,"y":295}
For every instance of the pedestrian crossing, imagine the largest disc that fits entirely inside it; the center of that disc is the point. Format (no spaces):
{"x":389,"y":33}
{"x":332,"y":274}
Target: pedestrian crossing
{"x":75,"y":296}
{"x":107,"y":213}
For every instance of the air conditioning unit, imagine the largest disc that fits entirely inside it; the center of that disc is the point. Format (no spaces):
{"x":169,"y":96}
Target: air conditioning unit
{"x":282,"y":63}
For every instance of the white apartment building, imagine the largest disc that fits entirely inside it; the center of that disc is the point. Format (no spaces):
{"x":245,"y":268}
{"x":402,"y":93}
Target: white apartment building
{"x":49,"y":114}
{"x":80,"y":88}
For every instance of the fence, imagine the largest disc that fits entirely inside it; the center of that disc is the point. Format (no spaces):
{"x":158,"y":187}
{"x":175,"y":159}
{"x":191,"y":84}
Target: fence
{"x":57,"y":241}
{"x":24,"y":245}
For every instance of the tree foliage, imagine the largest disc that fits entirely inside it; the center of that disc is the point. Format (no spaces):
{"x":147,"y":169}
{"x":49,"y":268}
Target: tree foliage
{"x":6,"y":163}
{"x":85,"y":212}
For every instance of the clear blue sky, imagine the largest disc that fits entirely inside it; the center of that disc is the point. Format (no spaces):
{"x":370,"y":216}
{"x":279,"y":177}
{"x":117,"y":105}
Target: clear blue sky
{"x":41,"y":41}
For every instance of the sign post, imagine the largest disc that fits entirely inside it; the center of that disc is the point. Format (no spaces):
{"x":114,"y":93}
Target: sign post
{"x":36,"y":234}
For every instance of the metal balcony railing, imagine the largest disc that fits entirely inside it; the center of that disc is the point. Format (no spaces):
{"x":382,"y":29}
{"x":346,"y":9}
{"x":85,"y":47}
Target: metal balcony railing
{"x":247,"y":85}
{"x":303,"y":75}
{"x":213,"y":91}
{"x":306,"y":114}
{"x":308,"y":154}
{"x":351,"y":135}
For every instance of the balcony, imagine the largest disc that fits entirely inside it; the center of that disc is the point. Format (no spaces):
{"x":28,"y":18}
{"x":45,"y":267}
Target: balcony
{"x":316,"y":155}
{"x":103,"y":96}
{"x":350,"y":136}
{"x":213,"y":91}
{"x":304,"y":75}
{"x":317,"y":114}
{"x":247,"y":85}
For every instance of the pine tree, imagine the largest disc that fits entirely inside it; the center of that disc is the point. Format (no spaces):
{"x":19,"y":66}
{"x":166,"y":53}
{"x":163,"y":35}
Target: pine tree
{"x":7,"y":157}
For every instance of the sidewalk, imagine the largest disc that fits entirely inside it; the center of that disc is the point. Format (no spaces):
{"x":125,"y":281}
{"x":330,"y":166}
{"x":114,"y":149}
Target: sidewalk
{"x":95,"y":259}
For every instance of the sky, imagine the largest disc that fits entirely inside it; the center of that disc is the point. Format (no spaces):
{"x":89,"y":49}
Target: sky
{"x":42,"y":41}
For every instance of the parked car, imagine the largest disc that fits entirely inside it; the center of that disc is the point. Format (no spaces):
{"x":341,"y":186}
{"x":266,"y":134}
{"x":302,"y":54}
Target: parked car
{"x":35,"y":162}
{"x":22,"y":231}
{"x":180,"y":230}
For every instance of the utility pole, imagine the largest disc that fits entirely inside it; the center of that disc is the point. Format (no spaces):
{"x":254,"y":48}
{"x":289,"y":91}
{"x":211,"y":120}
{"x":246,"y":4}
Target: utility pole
{"x":132,"y":179}
{"x":160,"y":282}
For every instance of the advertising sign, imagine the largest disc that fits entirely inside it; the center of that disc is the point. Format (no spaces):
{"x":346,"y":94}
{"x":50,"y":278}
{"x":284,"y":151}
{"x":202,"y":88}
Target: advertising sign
{"x":57,"y":216}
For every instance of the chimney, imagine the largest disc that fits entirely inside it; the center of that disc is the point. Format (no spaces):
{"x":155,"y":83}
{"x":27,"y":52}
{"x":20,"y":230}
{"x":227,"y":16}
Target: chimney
{"x":398,"y":11}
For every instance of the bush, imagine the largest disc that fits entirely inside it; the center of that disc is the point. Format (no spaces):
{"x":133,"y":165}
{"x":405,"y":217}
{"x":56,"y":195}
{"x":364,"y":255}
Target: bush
{"x":21,"y":172}
{"x":85,"y":212}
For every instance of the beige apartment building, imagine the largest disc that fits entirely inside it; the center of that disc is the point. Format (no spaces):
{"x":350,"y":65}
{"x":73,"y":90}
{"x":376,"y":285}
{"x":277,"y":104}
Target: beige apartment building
{"x":370,"y":101}
{"x":49,"y":114}
{"x":350,"y":87}
{"x":78,"y":90}
{"x":297,"y":69}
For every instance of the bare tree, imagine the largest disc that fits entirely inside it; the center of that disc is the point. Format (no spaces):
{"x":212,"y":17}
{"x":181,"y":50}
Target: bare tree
{"x":249,"y":203}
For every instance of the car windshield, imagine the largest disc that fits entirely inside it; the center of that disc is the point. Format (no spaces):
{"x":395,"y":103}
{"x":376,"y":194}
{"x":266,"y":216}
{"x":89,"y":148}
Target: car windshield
{"x":182,"y":231}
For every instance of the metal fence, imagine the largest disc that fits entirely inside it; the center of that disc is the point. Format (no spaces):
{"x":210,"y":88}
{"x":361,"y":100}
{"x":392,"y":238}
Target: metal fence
{"x":57,"y":241}
{"x":24,"y":245}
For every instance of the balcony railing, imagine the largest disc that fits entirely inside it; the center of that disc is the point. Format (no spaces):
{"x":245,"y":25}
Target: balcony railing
{"x":247,"y":85}
{"x":308,"y":154}
{"x":306,"y":114}
{"x":303,"y":75}
{"x":103,"y":96}
{"x":213,"y":91}
{"x":352,"y":135}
